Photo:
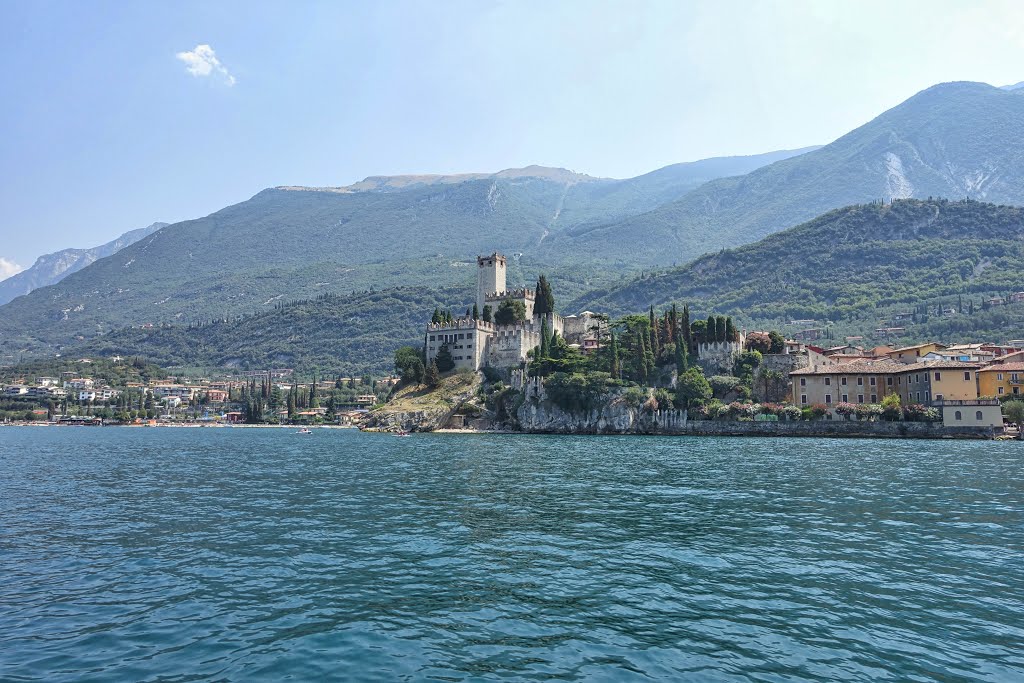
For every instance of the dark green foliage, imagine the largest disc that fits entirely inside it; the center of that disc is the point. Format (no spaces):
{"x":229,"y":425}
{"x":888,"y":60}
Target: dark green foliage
{"x":778,"y":342}
{"x":409,"y":364}
{"x":692,"y":389}
{"x":339,"y":335}
{"x":545,"y":299}
{"x":510,"y":311}
{"x":432,"y":375}
{"x":443,"y":359}
{"x":487,"y":317}
{"x":578,"y":392}
{"x":857,"y":267}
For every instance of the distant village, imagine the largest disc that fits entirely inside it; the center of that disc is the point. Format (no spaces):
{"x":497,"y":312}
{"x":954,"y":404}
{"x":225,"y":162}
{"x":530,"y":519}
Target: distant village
{"x":79,"y":398}
{"x":515,"y":335}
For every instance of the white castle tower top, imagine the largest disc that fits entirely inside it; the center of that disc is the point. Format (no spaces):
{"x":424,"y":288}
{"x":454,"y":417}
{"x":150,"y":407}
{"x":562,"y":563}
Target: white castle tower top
{"x":490,"y":277}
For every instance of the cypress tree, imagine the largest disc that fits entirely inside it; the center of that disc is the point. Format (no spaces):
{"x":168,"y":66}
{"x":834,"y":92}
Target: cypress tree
{"x":616,"y":370}
{"x":432,"y":376}
{"x":711,"y":334}
{"x":476,"y":312}
{"x":545,"y":338}
{"x":685,"y":328}
{"x":730,"y":330}
{"x":487,"y":314}
{"x":544,"y":302}
{"x":436,"y":318}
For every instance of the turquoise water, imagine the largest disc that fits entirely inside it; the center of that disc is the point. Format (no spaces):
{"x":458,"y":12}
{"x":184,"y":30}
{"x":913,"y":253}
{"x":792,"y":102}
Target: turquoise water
{"x":233,"y":554}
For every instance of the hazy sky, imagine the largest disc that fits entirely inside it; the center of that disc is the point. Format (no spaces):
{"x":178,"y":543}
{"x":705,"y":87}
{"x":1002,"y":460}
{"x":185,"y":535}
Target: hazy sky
{"x":120,"y":114}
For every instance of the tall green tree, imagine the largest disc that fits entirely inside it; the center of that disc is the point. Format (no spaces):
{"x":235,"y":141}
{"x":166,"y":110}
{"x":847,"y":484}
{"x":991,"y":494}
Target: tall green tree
{"x":545,"y":298}
{"x":486,"y":314}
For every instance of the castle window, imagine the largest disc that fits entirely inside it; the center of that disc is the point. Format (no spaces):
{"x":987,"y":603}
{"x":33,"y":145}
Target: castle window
{"x":978,"y":416}
{"x":959,"y":415}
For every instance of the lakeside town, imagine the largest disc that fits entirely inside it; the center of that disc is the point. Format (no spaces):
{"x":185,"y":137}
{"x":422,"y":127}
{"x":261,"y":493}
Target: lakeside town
{"x":666,"y":370}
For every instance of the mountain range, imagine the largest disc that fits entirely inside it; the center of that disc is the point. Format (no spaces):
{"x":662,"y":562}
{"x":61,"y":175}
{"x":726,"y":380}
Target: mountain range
{"x":592,"y":236}
{"x":50,"y":269}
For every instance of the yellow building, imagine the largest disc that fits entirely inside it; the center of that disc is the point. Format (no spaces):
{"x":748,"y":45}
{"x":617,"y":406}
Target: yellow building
{"x":1001,"y":379}
{"x":871,"y":381}
{"x":912,"y":354}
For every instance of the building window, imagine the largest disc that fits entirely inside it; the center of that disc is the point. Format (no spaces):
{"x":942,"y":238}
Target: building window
{"x":828,"y":398}
{"x":1016,"y":390}
{"x":860,"y":381}
{"x":938,"y":376}
{"x":967,"y":376}
{"x":828,"y":381}
{"x":846,"y":398}
{"x":803,"y":381}
{"x":999,"y":376}
{"x":433,"y":338}
{"x":874,"y":398}
{"x":978,"y":416}
{"x":1000,"y":391}
{"x":872,"y":381}
{"x":803,"y":399}
{"x":860,"y":398}
{"x":917,"y":377}
{"x":888,"y":381}
{"x":919,"y":396}
{"x":959,"y":415}
{"x":843,"y":381}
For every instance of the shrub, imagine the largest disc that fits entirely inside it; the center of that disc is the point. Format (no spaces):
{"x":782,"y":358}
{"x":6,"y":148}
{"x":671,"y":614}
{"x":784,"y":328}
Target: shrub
{"x":663,"y":398}
{"x":891,"y":409}
{"x":868,"y":411}
{"x":634,"y":397}
{"x":792,"y":412}
{"x":818,"y":411}
{"x":846,"y":409}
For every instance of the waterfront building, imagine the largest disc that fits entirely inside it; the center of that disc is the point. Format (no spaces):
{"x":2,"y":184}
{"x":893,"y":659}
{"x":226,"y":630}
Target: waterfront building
{"x":1001,"y":379}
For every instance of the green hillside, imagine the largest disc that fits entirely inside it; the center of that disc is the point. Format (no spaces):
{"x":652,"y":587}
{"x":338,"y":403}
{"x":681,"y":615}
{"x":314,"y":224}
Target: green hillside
{"x":855,"y":269}
{"x":955,"y":140}
{"x":292,"y":243}
{"x":347,"y":335}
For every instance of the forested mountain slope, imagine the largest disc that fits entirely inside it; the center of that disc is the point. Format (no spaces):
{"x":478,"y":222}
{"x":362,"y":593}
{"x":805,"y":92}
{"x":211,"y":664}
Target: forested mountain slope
{"x":856,"y":268}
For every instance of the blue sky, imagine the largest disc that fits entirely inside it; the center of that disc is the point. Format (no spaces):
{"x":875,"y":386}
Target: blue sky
{"x":104,"y":128}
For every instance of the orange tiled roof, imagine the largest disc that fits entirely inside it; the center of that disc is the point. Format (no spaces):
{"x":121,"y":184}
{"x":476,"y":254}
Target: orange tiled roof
{"x":1004,"y":367}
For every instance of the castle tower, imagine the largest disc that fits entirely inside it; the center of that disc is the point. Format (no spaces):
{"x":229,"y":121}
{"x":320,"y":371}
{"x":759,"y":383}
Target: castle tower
{"x":490,"y":277}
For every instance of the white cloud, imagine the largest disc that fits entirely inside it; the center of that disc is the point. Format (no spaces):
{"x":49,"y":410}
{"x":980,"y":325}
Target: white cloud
{"x":8,"y":268}
{"x":202,"y":62}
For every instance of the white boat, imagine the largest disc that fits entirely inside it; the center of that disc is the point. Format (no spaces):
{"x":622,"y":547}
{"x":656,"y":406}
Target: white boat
{"x":304,"y":431}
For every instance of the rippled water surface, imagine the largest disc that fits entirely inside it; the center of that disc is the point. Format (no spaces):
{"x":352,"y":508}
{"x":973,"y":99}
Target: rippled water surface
{"x":245,"y":554}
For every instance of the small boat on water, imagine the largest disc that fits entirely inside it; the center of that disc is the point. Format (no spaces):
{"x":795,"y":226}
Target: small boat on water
{"x":402,"y":433}
{"x":304,"y":431}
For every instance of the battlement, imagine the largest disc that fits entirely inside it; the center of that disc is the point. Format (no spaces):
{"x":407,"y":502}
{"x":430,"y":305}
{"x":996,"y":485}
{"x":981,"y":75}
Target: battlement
{"x":462,"y":324}
{"x":496,"y":257}
{"x":523,"y":293}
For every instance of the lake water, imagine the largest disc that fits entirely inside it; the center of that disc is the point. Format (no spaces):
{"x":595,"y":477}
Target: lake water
{"x":259,"y":554}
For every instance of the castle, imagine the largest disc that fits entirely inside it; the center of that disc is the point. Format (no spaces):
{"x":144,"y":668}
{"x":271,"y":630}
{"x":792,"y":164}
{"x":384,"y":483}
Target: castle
{"x":475,"y":343}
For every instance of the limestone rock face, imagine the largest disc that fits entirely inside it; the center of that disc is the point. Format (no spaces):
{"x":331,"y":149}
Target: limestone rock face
{"x":613,"y":416}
